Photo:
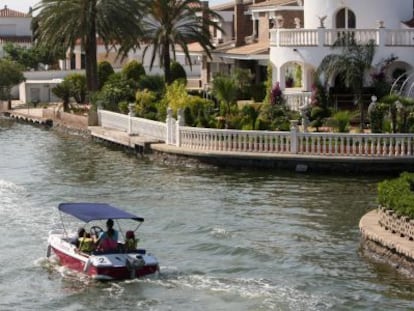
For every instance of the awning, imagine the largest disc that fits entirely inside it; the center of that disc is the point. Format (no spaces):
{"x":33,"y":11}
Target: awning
{"x":96,"y":211}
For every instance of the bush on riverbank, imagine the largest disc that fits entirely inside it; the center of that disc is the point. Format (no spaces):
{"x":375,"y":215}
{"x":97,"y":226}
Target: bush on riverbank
{"x":398,"y":194}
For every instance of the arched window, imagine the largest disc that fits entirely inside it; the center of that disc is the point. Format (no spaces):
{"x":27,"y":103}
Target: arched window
{"x":345,"y":18}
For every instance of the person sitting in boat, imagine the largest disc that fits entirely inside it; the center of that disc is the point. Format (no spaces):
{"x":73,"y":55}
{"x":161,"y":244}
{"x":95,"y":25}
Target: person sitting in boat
{"x":86,"y":243}
{"x":75,"y":240}
{"x":130,"y":241}
{"x":108,"y":240}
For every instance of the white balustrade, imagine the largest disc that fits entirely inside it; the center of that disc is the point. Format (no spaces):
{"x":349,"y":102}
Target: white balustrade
{"x":113,"y":120}
{"x":265,"y":142}
{"x":235,"y":141}
{"x":401,"y":37}
{"x":327,"y":37}
{"x":356,"y":145}
{"x":149,"y":128}
{"x":361,"y":36}
{"x":297,"y":100}
{"x":304,"y":37}
{"x":139,"y":126}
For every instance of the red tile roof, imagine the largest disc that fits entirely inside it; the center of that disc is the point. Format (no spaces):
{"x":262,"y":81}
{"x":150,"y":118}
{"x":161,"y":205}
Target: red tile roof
{"x":6,"y":12}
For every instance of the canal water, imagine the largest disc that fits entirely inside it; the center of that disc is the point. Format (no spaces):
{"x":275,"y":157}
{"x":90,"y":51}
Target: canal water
{"x":226,"y":239}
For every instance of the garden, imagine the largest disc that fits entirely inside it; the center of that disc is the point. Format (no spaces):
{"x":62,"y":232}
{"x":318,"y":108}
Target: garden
{"x":234,"y":102}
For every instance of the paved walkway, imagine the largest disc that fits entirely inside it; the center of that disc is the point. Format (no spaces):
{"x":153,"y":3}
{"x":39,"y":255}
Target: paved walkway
{"x":122,"y":138}
{"x":370,"y":229}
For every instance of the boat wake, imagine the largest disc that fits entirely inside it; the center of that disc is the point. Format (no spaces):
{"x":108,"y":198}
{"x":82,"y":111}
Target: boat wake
{"x":268,"y":294}
{"x":10,"y":192}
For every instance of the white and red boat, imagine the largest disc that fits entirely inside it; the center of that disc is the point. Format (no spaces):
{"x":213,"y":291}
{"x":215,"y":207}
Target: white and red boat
{"x":113,"y":265}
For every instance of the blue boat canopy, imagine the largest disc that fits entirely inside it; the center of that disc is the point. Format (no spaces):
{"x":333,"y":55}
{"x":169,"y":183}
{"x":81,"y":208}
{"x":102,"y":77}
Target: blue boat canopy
{"x":96,"y":211}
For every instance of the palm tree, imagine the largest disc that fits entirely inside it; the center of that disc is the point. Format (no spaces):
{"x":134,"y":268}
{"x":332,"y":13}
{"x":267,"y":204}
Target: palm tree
{"x":225,"y":90}
{"x":63,"y":23}
{"x":351,"y":65}
{"x":174,"y":23}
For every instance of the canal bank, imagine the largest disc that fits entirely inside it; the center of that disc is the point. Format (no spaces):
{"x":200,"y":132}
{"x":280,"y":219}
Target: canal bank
{"x":384,"y":244}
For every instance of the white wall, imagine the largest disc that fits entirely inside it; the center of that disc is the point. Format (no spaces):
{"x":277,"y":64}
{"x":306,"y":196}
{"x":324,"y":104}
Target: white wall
{"x":15,"y":26}
{"x":40,"y":91}
{"x":367,"y":12}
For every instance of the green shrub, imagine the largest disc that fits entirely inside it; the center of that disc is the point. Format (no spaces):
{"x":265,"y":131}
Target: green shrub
{"x":198,"y":112}
{"x":249,"y":116}
{"x":398,"y":194}
{"x":116,"y":90}
{"x":133,"y":70}
{"x":376,"y":117}
{"x":175,"y":96}
{"x":78,"y":88}
{"x":178,"y":72}
{"x":153,"y":83}
{"x":317,"y":116}
{"x":105,"y":70}
{"x":123,"y":107}
{"x":341,"y":121}
{"x":258,"y":92}
{"x":145,"y":104}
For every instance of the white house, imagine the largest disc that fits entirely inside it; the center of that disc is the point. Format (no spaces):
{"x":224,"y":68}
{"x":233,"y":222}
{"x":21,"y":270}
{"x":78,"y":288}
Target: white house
{"x":38,"y":91}
{"x":15,"y":27}
{"x":387,"y":23}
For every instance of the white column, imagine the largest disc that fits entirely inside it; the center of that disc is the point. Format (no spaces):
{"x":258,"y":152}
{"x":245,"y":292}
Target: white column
{"x":180,"y":122}
{"x":130,"y":115}
{"x":294,"y":136}
{"x":168,"y":122}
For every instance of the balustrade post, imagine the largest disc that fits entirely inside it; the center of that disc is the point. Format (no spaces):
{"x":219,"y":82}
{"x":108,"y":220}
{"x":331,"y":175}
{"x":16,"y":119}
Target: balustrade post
{"x":130,"y":115}
{"x":382,"y":37}
{"x":277,"y":37}
{"x":321,"y":36}
{"x":294,"y":136}
{"x":180,"y":122}
{"x":168,"y":122}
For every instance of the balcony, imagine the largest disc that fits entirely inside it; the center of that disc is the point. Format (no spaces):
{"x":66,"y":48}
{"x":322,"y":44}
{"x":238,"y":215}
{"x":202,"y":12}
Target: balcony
{"x":323,"y":37}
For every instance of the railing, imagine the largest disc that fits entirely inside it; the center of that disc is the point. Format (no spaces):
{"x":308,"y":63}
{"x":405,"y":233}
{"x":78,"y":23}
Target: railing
{"x":235,"y":141}
{"x":360,"y":36}
{"x":402,"y":37}
{"x":113,"y":120}
{"x":297,"y":100}
{"x":264,"y":142}
{"x":148,"y":128}
{"x":304,"y":37}
{"x":132,"y":125}
{"x":294,"y":142}
{"x":356,"y":145}
{"x":327,"y":37}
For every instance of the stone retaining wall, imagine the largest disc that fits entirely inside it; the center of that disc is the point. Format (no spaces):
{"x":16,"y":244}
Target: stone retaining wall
{"x":388,"y":238}
{"x":401,"y":225}
{"x":69,"y":119}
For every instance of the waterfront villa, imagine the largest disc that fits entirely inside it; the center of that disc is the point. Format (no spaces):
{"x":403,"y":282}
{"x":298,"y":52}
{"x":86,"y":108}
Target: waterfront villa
{"x":15,"y":27}
{"x":295,"y":35}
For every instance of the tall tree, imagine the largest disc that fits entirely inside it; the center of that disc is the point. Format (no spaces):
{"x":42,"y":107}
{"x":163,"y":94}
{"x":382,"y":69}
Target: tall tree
{"x":351,"y":64}
{"x":64,"y":23}
{"x":174,"y":23}
{"x":11,"y":74}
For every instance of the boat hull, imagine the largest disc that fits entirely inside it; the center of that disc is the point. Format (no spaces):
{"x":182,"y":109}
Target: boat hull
{"x":104,"y":266}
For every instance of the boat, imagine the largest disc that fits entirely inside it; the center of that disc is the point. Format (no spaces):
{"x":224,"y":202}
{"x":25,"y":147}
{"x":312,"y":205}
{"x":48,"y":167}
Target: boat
{"x":116,"y":264}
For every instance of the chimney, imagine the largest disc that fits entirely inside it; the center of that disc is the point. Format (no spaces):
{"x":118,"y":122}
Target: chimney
{"x":239,"y":29}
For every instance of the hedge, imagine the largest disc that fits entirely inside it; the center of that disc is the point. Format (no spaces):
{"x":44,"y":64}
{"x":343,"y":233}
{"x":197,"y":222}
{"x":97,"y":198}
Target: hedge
{"x":398,"y":194}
